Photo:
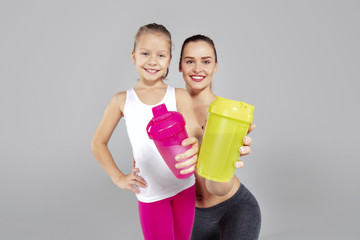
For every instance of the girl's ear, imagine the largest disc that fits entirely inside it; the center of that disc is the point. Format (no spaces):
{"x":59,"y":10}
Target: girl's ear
{"x":216,"y":65}
{"x":170,"y":60}
{"x":133,"y":57}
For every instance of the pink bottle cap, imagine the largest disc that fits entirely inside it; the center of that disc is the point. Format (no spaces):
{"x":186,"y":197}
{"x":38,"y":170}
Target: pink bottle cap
{"x":165,"y":123}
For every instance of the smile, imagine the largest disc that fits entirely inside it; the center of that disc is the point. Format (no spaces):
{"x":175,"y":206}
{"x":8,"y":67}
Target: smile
{"x":197,"y":78}
{"x":151,"y":70}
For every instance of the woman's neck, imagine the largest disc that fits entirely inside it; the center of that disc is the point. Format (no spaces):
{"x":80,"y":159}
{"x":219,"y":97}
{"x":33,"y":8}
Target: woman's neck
{"x":201,"y":97}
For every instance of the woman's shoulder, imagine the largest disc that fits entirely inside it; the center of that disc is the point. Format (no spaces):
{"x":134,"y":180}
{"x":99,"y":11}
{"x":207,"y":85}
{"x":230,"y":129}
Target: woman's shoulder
{"x":183,"y":100}
{"x":182,"y":95}
{"x":181,"y":91}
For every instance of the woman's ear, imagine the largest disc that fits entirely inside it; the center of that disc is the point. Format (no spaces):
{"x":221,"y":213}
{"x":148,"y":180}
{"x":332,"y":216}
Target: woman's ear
{"x":215,"y":69}
{"x":133,"y":57}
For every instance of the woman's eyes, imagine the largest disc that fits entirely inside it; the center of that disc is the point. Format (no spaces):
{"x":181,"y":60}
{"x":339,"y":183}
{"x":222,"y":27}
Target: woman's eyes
{"x":145,"y":54}
{"x":204,"y":62}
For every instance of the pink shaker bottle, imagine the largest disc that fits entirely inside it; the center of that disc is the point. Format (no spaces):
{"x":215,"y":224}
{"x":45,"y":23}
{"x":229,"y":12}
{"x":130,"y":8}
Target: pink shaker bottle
{"x":167,"y":130}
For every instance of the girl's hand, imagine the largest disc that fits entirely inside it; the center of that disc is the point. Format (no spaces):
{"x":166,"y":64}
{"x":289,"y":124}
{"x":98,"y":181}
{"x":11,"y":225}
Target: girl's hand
{"x":192,"y":153}
{"x":129,"y":181}
{"x":245,"y":149}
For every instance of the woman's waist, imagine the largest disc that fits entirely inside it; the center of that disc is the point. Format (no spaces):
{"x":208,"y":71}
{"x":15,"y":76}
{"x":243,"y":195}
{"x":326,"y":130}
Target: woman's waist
{"x":205,"y":199}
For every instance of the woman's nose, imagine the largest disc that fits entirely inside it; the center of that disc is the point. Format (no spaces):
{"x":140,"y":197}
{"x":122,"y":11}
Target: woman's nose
{"x":197,"y":68}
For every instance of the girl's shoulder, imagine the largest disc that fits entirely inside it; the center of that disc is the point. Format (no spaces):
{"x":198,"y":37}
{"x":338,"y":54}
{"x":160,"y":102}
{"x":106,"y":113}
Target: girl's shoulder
{"x":119,"y":100}
{"x":120,"y":96}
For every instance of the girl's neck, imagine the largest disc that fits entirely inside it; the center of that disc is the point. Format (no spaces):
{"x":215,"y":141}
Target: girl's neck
{"x":144,"y":84}
{"x":150,"y":92}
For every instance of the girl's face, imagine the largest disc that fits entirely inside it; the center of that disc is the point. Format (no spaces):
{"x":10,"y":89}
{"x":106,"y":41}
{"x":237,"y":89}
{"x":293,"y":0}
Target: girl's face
{"x":198,"y":65}
{"x":152,"y":56}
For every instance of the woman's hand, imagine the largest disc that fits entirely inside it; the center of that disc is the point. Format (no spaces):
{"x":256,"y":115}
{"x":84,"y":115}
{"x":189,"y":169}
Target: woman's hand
{"x":129,"y":181}
{"x":245,"y":149}
{"x":192,"y":153}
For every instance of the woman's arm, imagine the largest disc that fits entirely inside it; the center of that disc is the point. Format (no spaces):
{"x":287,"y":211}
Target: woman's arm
{"x":184,"y":106}
{"x":245,"y":149}
{"x":112,"y":115}
{"x":222,"y":188}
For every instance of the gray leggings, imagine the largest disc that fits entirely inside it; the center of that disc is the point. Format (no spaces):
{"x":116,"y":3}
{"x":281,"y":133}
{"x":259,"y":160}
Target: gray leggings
{"x":237,"y":218}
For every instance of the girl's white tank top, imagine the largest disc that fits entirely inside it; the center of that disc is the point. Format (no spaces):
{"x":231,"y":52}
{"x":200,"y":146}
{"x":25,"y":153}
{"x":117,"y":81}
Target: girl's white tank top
{"x":161,"y":182}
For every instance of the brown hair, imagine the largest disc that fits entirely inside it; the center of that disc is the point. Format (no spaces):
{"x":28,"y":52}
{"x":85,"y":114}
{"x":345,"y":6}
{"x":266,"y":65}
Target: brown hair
{"x":197,"y":38}
{"x":154,"y":28}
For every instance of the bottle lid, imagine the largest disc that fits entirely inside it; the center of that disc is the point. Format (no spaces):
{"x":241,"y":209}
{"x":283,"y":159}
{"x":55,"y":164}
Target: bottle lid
{"x":232,"y":109}
{"x":165,"y":123}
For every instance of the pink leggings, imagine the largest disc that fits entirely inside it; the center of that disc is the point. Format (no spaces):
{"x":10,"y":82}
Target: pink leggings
{"x":170,"y":218}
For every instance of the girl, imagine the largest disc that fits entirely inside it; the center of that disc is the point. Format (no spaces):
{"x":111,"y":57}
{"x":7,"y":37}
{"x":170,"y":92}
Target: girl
{"x":166,"y":204}
{"x":223,"y":210}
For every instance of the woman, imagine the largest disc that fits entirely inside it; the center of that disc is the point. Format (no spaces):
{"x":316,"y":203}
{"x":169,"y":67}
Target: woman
{"x":223,"y":210}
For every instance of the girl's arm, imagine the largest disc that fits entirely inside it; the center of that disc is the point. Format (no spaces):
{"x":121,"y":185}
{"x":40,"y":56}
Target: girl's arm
{"x":112,"y":115}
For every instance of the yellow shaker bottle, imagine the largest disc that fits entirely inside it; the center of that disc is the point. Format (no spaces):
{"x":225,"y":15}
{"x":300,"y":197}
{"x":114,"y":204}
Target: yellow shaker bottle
{"x":227,"y":124}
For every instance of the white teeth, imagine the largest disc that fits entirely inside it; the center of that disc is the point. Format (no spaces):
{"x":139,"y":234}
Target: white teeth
{"x":197,"y":77}
{"x":151,"y":71}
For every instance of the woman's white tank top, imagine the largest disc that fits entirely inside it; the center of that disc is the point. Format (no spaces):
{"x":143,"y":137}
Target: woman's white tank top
{"x":161,"y":182}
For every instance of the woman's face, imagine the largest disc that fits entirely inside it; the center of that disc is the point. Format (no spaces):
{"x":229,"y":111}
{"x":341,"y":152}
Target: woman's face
{"x":198,"y":65}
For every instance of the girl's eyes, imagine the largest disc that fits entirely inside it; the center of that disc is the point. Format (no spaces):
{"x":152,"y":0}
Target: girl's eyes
{"x":147,"y":54}
{"x":189,"y":62}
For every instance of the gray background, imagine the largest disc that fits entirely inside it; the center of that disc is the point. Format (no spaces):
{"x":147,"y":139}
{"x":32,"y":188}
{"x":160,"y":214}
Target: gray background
{"x":61,"y":62}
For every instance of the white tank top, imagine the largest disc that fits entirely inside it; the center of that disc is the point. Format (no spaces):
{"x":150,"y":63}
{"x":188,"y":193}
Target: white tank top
{"x":161,"y":182}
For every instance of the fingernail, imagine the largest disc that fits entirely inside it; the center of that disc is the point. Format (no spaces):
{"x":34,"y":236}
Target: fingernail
{"x":177,"y":157}
{"x":246,"y":139}
{"x":242,"y":150}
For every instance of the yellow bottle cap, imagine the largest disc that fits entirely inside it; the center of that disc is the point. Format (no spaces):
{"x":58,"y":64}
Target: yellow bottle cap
{"x":232,"y":109}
